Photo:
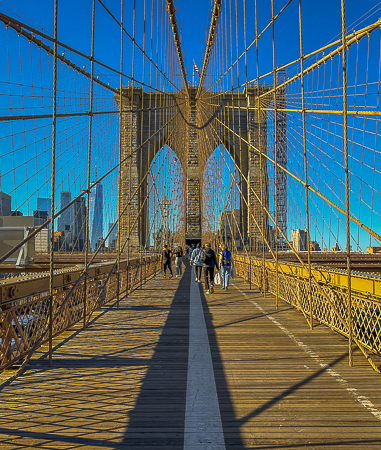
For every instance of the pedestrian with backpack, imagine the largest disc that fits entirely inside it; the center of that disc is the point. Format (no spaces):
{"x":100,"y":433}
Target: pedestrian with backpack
{"x":196,"y":262}
{"x":226,"y":263}
{"x":209,"y":262}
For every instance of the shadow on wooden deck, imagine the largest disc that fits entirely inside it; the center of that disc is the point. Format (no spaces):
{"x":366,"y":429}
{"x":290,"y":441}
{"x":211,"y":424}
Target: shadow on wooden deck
{"x":159,"y":415}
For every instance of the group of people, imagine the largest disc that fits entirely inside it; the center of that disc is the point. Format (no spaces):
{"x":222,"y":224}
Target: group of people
{"x":178,"y":253}
{"x":204,"y":261}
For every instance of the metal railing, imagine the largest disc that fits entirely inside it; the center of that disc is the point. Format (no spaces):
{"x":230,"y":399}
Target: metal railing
{"x":25,"y":302}
{"x":329,"y":299}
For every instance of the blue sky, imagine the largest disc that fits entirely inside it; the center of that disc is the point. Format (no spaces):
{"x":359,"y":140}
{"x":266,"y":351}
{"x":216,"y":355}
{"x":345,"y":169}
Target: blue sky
{"x":321,"y":24}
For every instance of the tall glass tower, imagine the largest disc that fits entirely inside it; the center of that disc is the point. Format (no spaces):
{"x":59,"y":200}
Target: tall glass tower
{"x":65,"y":220}
{"x":79,"y":224}
{"x":44,"y":204}
{"x":112,"y":237}
{"x":96,"y":215}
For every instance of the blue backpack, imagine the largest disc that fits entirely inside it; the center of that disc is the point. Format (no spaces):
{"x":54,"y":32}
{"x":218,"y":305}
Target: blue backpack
{"x":226,"y":257}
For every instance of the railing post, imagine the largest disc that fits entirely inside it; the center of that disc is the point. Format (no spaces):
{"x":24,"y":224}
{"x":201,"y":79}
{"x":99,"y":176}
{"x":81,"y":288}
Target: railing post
{"x":145,"y":266}
{"x":128,"y":278}
{"x":141,"y":273}
{"x":250,"y":270}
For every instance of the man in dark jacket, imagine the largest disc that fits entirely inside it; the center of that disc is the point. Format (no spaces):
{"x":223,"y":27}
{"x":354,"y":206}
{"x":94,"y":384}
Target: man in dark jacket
{"x":166,"y":256}
{"x":209,"y":262}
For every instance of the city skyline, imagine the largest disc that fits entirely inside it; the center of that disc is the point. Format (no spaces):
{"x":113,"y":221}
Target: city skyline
{"x":72,"y":221}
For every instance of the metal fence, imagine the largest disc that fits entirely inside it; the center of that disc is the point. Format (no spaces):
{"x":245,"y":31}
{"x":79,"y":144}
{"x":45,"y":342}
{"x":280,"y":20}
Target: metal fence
{"x":25,"y":308}
{"x":326,"y":301}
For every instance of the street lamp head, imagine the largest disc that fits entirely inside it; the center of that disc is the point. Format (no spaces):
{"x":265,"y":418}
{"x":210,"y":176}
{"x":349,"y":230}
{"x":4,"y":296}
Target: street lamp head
{"x":165,"y":202}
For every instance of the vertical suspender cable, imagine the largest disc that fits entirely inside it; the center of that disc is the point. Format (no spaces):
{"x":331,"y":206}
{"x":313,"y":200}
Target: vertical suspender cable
{"x":275,"y":159}
{"x":89,"y":161}
{"x":248,"y":240}
{"x":53,"y":183}
{"x":143,"y":213}
{"x":234,"y":150}
{"x":239,"y":117}
{"x":305,"y":165}
{"x":149,"y":132}
{"x":347,"y":211}
{"x":258,"y":112}
{"x":120,"y":221}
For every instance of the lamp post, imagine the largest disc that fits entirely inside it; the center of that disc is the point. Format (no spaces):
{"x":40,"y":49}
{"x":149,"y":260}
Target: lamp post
{"x":165,"y":205}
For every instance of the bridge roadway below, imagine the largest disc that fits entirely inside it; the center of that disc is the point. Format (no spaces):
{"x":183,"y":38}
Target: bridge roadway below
{"x":174,"y":368}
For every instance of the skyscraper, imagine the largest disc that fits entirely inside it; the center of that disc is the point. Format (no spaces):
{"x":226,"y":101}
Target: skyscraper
{"x":40,"y":217}
{"x":65,"y":221}
{"x":299,"y":240}
{"x":5,"y":204}
{"x":79,"y":224}
{"x":112,"y":236}
{"x":44,"y":204}
{"x":96,"y":215}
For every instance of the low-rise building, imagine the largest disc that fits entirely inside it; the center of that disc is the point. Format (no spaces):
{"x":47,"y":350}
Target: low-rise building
{"x":13,"y":230}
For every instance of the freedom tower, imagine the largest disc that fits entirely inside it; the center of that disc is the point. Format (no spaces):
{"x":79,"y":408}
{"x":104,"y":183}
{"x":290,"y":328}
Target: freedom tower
{"x":96,"y":215}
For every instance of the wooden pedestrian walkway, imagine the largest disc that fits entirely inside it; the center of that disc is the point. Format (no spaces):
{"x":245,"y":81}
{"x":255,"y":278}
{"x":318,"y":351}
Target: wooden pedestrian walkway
{"x":147,"y":376}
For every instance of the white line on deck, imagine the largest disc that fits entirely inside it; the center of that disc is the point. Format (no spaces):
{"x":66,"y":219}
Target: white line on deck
{"x":362,"y":399}
{"x":203,"y":427}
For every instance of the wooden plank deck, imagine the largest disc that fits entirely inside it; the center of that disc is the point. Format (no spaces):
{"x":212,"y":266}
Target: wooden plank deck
{"x":122,"y":383}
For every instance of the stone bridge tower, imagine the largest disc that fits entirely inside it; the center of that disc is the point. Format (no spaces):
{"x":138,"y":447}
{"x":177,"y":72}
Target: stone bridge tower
{"x":193,"y":127}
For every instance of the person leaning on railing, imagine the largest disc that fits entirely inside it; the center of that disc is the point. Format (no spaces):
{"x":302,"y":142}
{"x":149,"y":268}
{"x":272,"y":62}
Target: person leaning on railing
{"x":226,"y":264}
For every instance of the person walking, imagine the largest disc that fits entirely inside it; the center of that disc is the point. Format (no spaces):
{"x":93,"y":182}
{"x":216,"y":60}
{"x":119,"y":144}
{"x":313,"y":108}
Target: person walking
{"x":187,"y":251}
{"x":226,"y":264}
{"x":179,"y":261}
{"x":209,"y":262}
{"x":196,"y":262}
{"x":166,"y":256}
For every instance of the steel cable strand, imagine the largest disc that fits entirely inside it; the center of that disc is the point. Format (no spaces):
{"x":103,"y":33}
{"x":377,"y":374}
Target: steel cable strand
{"x":46,"y":223}
{"x":320,"y":289}
{"x":264,"y":237}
